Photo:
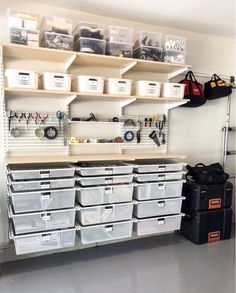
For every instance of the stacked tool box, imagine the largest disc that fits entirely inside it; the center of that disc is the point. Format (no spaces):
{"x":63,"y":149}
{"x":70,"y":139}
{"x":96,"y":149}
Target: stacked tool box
{"x":208,"y":215}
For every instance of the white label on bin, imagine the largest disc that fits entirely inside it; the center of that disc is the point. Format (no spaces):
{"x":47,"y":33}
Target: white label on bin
{"x":161,"y":204}
{"x":45,"y":186}
{"x":24,"y":78}
{"x":108,"y":191}
{"x":93,"y":84}
{"x":109,"y":180}
{"x":175,"y":90}
{"x":161,"y":177}
{"x":44,"y":175}
{"x":161,"y":169}
{"x":121,"y":86}
{"x":109,"y":228}
{"x":152,"y":88}
{"x":161,"y":221}
{"x":46,"y":238}
{"x":160,"y":187}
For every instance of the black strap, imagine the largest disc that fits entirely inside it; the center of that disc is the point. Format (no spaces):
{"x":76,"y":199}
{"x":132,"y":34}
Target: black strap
{"x":200,"y":165}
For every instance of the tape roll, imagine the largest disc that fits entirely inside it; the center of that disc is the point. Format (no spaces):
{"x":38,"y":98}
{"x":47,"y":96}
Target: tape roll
{"x":129,"y":135}
{"x":50,"y":132}
{"x":73,"y":140}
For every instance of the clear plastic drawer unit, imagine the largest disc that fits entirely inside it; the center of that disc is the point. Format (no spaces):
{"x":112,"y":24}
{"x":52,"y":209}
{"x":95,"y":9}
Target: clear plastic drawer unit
{"x":102,"y":180}
{"x":105,"y":214}
{"x":105,"y":232}
{"x":152,"y":166}
{"x":89,"y":196}
{"x":152,"y":177}
{"x":155,"y":208}
{"x":103,"y":168}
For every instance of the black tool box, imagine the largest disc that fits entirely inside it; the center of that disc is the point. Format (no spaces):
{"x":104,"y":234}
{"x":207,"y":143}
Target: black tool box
{"x":207,"y":226}
{"x":206,"y":197}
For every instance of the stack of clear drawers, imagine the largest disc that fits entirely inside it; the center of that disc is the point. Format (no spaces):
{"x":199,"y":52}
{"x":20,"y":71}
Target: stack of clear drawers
{"x":157,"y":192}
{"x":41,"y":206}
{"x":105,"y":201}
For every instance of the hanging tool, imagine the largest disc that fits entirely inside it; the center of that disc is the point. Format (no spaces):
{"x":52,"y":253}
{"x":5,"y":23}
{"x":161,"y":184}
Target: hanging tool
{"x":154,"y":137}
{"x":42,"y":118}
{"x":129,"y":122}
{"x":60,"y":116}
{"x":160,"y":127}
{"x":145,"y":121}
{"x":139,"y":131}
{"x":163,"y":141}
{"x":150,"y":122}
{"x":39,"y":132}
{"x":10,"y":115}
{"x":27,"y":119}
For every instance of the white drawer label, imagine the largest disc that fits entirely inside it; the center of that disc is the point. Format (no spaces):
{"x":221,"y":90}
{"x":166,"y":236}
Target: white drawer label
{"x":93,"y":84}
{"x":45,"y":186}
{"x":46,"y":238}
{"x":161,"y":204}
{"x":44,"y":175}
{"x":161,"y":187}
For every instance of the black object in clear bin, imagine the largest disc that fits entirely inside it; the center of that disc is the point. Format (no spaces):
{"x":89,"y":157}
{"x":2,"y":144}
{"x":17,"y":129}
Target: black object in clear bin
{"x":119,"y":49}
{"x":88,"y":45}
{"x":58,"y":41}
{"x":91,"y":33}
{"x":148,"y":53}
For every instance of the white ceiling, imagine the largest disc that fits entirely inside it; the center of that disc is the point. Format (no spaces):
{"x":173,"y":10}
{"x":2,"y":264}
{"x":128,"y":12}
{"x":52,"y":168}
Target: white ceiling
{"x":216,"y":17}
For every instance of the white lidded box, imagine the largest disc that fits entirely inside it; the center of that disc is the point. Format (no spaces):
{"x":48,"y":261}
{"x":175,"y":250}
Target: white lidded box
{"x":172,"y":90}
{"x":118,"y":86}
{"x":56,"y":81}
{"x":88,"y":84}
{"x":16,"y":78}
{"x":147,"y":88}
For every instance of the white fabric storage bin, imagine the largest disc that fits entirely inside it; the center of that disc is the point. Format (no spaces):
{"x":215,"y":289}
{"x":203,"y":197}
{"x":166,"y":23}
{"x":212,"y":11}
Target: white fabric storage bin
{"x":22,"y":19}
{"x":88,"y":84}
{"x":45,"y":184}
{"x":23,"y":36}
{"x":152,"y":177}
{"x":147,"y":191}
{"x":155,"y":208}
{"x":40,"y":171}
{"x":56,"y":81}
{"x":172,"y":56}
{"x":43,"y":221}
{"x":57,"y":24}
{"x":172,"y":90}
{"x":119,"y":34}
{"x":147,"y":88}
{"x":157,"y":225}
{"x":97,"y":195}
{"x":89,"y":30}
{"x":118,"y":86}
{"x":105,"y":214}
{"x":103,"y":168}
{"x":33,"y":201}
{"x":17,"y":78}
{"x":146,"y":38}
{"x":105,"y":232}
{"x":100,"y":180}
{"x":176,"y":43}
{"x":37,"y":242}
{"x":153,"y":166}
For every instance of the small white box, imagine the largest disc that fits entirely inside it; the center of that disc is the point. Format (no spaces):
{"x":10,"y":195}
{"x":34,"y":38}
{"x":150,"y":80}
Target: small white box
{"x":56,"y":81}
{"x":118,"y":86}
{"x":88,"y":84}
{"x":16,"y":78}
{"x":172,"y":90}
{"x":147,"y":88}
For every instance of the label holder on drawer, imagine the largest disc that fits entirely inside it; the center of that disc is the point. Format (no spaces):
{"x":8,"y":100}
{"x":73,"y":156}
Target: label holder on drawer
{"x":108,"y":180}
{"x":108,"y":170}
{"x":108,"y":190}
{"x":45,"y":185}
{"x":161,"y":204}
{"x":44,"y":174}
{"x":46,"y":216}
{"x":46,"y":195}
{"x":161,"y":221}
{"x":109,"y":228}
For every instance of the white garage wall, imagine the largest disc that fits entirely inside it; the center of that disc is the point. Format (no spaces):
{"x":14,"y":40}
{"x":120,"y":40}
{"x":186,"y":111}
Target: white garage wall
{"x":195,"y":132}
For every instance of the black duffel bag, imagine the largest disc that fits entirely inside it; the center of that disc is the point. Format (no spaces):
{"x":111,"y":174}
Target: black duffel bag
{"x":216,"y":88}
{"x":212,"y":174}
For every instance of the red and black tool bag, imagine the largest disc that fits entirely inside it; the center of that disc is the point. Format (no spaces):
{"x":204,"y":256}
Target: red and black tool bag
{"x":216,"y":88}
{"x":193,"y":91}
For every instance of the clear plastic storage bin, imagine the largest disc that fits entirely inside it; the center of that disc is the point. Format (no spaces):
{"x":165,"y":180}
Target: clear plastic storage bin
{"x":152,"y":39}
{"x":147,"y":88}
{"x":119,"y":34}
{"x":88,"y":45}
{"x":147,"y":191}
{"x":49,"y":183}
{"x":97,"y":195}
{"x":105,"y":214}
{"x":40,"y":171}
{"x":90,"y":181}
{"x":175,"y":43}
{"x":172,"y":90}
{"x":88,"y":84}
{"x":103,"y":168}
{"x":119,"y":49}
{"x":16,"y":78}
{"x":89,"y":30}
{"x":105,"y":232}
{"x":22,"y":19}
{"x":171,"y":56}
{"x":153,"y":166}
{"x":57,"y":41}
{"x":56,"y":81}
{"x":157,"y":225}
{"x":57,"y":24}
{"x":38,"y":242}
{"x":118,"y":86}
{"x":33,"y":201}
{"x":155,"y":208}
{"x":23,"y":36}
{"x":43,"y":221}
{"x":148,"y":53}
{"x":152,"y":177}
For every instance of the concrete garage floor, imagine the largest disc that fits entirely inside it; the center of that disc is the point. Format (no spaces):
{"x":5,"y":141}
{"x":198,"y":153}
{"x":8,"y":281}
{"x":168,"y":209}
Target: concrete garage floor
{"x":162,"y":264}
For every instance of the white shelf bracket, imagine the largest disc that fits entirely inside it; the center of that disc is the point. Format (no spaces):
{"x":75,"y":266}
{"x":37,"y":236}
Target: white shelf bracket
{"x":127,"y":68}
{"x":174,"y":105}
{"x":70,"y":61}
{"x":70,"y":99}
{"x":177,"y":72}
{"x":126,"y":102}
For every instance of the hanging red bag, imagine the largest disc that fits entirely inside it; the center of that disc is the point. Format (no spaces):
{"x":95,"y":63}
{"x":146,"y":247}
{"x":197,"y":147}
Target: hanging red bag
{"x":193,"y":91}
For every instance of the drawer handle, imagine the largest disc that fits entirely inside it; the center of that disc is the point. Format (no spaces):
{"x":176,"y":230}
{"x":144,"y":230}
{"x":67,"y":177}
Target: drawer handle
{"x":45,"y":185}
{"x":46,"y":195}
{"x":161,"y":204}
{"x":46,"y":237}
{"x":108,"y":170}
{"x":109,"y":228}
{"x":44,"y":174}
{"x":162,"y":168}
{"x":161,"y":221}
{"x":108,"y":190}
{"x":108,"y":179}
{"x":46,"y":217}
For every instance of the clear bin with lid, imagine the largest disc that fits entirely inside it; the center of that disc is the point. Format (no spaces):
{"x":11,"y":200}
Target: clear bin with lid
{"x":89,"y":30}
{"x":60,"y":25}
{"x":119,"y":34}
{"x":88,"y":45}
{"x":175,"y":43}
{"x":22,"y":19}
{"x":145,"y":38}
{"x":119,"y":49}
{"x":171,"y":56}
{"x":148,"y":53}
{"x":57,"y":41}
{"x":23,"y":36}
